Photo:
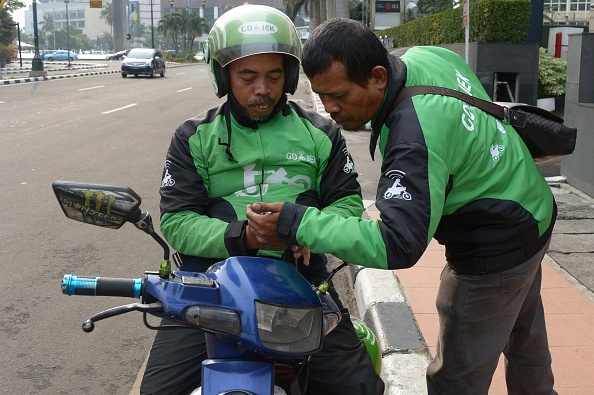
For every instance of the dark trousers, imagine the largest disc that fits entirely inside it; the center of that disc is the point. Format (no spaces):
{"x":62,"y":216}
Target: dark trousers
{"x":343,"y":366}
{"x":482,"y":316}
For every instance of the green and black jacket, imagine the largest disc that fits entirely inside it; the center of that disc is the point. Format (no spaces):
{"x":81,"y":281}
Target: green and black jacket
{"x":449,"y":172}
{"x":220,"y":161}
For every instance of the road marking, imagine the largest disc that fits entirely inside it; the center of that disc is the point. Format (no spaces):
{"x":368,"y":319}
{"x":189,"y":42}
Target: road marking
{"x":118,"y":109}
{"x":93,"y":87}
{"x":182,"y":90}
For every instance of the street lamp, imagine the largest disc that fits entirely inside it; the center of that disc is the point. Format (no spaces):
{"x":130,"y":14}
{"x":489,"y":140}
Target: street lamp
{"x":37,"y":62}
{"x":188,"y":57}
{"x":152,"y":27}
{"x":19,"y":37}
{"x":67,"y":33}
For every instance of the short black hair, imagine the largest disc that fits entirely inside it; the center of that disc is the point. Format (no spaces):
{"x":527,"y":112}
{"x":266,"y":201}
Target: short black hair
{"x":346,"y":41}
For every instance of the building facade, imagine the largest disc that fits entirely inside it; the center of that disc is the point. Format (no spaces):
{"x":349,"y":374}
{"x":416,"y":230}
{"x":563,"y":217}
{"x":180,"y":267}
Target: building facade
{"x":569,"y":12}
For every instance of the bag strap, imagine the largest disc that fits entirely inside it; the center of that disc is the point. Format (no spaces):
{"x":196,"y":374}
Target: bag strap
{"x":496,"y":110}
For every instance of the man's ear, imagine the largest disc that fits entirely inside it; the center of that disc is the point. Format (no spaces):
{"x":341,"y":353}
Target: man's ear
{"x":379,"y":77}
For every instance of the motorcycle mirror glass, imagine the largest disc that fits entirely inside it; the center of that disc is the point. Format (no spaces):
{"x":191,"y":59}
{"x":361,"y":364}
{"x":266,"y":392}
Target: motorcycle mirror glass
{"x":108,"y":206}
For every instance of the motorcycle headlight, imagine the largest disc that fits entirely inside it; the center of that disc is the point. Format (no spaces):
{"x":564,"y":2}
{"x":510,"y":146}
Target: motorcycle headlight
{"x":289,"y":329}
{"x":214,"y":318}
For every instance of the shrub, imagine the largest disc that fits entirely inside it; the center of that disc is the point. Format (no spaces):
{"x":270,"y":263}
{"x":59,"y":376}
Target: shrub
{"x":552,"y":73}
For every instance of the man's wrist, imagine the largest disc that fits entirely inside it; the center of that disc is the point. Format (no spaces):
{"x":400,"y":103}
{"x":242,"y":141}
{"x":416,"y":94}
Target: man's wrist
{"x":288,"y":222}
{"x":235,"y":239}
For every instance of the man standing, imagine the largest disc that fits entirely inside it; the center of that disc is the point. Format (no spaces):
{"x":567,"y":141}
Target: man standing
{"x":255,"y":146}
{"x":449,"y":172}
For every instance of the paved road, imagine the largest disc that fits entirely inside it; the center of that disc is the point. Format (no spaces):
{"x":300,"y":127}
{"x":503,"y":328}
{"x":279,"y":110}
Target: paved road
{"x":98,"y":129}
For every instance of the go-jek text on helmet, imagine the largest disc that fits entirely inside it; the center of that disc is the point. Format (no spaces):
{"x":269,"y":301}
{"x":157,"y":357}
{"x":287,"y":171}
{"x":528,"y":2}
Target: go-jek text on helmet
{"x":250,"y":30}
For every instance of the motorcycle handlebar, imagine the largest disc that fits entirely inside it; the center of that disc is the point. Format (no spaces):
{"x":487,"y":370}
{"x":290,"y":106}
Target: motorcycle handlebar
{"x":102,"y":286}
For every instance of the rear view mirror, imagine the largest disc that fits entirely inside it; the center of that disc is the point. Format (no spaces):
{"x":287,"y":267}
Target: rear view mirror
{"x":108,"y":206}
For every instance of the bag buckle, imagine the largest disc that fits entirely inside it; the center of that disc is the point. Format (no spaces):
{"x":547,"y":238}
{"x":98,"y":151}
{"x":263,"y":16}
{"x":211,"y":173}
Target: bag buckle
{"x":505,"y":115}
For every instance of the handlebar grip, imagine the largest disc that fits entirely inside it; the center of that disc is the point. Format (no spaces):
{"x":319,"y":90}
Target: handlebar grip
{"x":102,"y":286}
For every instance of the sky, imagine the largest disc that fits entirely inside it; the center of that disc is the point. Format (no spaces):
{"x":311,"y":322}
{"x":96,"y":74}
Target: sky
{"x":19,"y":15}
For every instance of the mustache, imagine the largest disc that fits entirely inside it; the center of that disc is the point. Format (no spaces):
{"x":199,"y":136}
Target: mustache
{"x":260,"y":101}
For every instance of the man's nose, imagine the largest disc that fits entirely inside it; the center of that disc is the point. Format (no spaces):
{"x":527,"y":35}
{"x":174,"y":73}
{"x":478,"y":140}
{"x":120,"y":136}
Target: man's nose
{"x":261,"y":87}
{"x":330,"y":105}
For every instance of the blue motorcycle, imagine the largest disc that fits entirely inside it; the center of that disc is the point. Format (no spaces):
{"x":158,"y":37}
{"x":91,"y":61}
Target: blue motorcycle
{"x":262,"y":319}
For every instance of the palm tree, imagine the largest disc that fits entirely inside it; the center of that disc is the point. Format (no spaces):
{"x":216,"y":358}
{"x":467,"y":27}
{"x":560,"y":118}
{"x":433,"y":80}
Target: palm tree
{"x":49,"y":27}
{"x":107,"y":14}
{"x":198,"y":27}
{"x":292,"y":7}
{"x":171,"y":24}
{"x":184,"y":16}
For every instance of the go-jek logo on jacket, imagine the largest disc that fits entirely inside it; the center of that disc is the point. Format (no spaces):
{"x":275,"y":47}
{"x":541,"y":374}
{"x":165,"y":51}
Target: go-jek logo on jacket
{"x":397,"y":190}
{"x":256,"y":182}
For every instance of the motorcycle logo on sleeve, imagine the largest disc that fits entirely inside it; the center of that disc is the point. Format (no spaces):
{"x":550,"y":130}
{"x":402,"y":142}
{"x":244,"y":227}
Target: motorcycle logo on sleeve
{"x":168,"y":181}
{"x":349,"y":166}
{"x":397,"y":190}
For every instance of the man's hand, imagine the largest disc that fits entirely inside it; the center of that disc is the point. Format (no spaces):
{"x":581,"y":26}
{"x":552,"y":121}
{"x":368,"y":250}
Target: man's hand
{"x":262,"y":225}
{"x":253,"y":241}
{"x":263,"y":218}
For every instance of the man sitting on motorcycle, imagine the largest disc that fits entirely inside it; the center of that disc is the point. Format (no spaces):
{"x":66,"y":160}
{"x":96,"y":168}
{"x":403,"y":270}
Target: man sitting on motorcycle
{"x":254,"y":146}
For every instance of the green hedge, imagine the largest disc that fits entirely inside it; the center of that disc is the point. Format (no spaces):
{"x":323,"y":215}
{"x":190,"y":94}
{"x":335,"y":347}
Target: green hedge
{"x":490,"y":21}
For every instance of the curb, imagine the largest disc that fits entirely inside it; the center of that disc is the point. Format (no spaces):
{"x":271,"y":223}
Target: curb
{"x":382,"y":304}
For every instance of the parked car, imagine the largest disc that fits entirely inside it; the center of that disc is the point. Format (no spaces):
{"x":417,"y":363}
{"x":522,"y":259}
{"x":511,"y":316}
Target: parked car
{"x":61,"y":55}
{"x":43,"y":54}
{"x":146,"y":61}
{"x":118,"y":55}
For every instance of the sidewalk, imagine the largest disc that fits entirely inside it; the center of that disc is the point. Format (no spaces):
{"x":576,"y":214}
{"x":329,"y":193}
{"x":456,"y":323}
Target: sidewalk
{"x":569,"y":309}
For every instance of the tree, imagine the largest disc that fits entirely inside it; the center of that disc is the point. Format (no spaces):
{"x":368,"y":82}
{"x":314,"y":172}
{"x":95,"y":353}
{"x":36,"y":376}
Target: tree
{"x":428,"y":7}
{"x":171,"y":24}
{"x":74,"y":38}
{"x":13,"y":5}
{"x":356,"y":11}
{"x":138,"y":30}
{"x":7,"y":35}
{"x":47,"y":30}
{"x":292,"y":7}
{"x":105,"y":41}
{"x":198,"y":27}
{"x":107,"y":14}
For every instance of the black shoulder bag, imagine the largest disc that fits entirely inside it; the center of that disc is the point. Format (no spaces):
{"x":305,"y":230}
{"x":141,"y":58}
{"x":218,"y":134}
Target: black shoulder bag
{"x":543,"y":132}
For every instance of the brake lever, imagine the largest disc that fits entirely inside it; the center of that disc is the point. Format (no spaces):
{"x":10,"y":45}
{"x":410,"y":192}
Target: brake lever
{"x":89,"y":324}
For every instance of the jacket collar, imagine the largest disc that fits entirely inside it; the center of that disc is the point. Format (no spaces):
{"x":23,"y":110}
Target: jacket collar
{"x":396,"y":81}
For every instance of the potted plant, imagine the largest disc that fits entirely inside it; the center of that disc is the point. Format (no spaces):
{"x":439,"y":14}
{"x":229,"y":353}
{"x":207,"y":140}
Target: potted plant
{"x":552,"y":73}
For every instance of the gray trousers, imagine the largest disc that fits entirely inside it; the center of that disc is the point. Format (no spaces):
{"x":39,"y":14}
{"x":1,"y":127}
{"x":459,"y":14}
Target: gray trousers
{"x":482,"y":316}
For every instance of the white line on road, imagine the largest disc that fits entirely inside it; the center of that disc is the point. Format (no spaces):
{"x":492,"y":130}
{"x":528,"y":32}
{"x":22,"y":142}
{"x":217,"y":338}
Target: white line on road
{"x":118,"y":109}
{"x":92,"y":87}
{"x":182,"y":90}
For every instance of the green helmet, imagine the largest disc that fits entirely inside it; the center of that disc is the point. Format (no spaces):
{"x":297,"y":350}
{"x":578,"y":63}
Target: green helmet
{"x":371,"y":343}
{"x":249,"y":30}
